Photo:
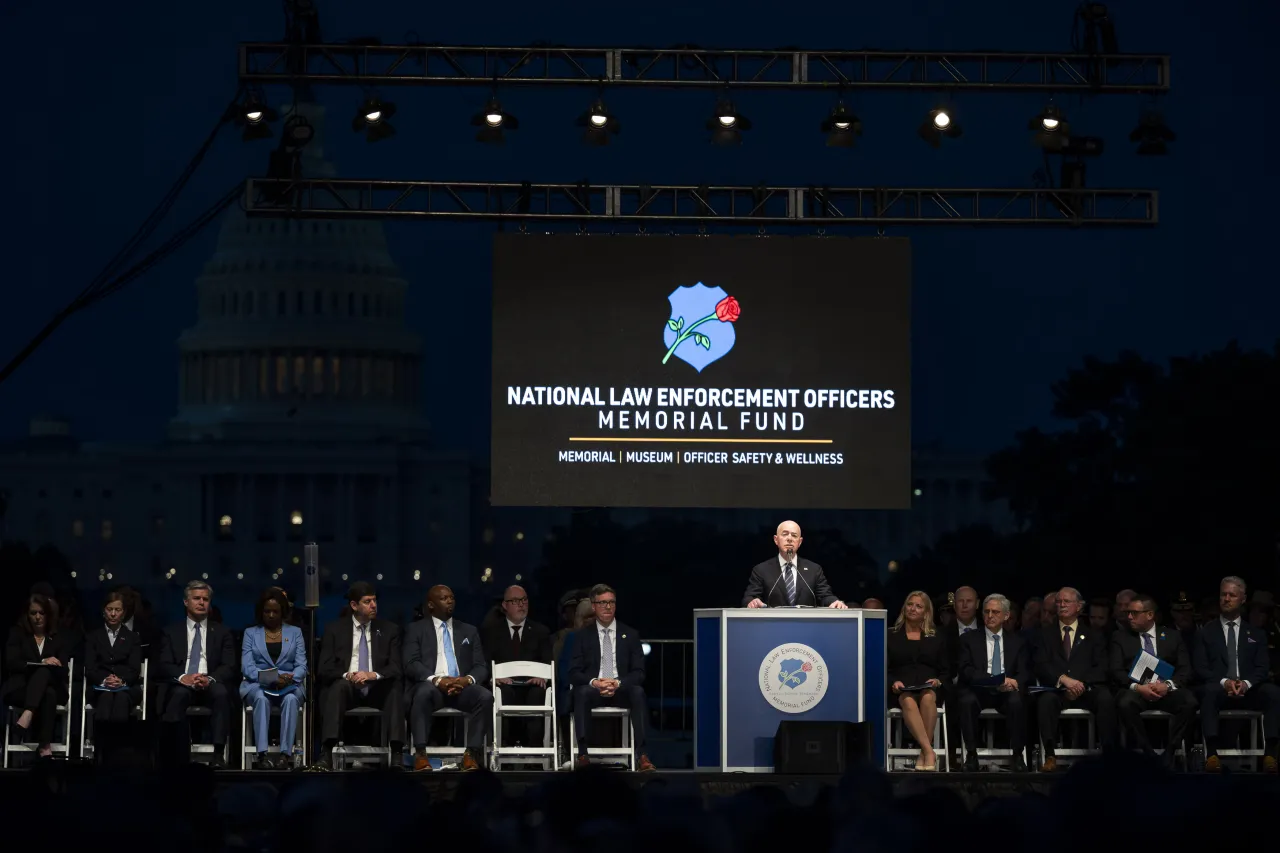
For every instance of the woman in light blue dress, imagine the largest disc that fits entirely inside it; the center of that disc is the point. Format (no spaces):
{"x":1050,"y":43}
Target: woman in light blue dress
{"x":273,"y":644}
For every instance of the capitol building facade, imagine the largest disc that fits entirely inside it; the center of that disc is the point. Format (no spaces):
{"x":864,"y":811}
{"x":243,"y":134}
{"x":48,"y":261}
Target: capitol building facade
{"x":299,"y":418}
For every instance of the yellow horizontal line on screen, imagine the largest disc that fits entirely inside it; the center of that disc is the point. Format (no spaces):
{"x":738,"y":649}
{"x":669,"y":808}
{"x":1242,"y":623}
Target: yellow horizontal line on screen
{"x":712,"y":440}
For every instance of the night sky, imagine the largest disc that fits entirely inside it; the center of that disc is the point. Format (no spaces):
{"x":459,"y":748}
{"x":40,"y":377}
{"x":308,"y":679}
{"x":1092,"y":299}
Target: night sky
{"x":107,"y":103}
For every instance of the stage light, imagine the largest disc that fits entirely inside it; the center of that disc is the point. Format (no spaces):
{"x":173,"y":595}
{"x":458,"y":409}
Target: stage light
{"x":938,"y":123}
{"x":1152,"y":135}
{"x":297,"y":133}
{"x":492,"y":122}
{"x":727,"y":124}
{"x":374,"y":119}
{"x":841,"y":127}
{"x":598,"y":123}
{"x":255,"y":117}
{"x":1051,"y":127}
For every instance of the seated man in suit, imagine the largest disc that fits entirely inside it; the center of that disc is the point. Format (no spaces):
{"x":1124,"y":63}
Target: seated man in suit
{"x":514,"y":638}
{"x":995,"y":670}
{"x":359,"y":667}
{"x":608,"y":670}
{"x":445,"y":665}
{"x":197,"y":662}
{"x":786,"y":580}
{"x":1070,"y":655}
{"x":1173,"y":696}
{"x":1230,"y":660}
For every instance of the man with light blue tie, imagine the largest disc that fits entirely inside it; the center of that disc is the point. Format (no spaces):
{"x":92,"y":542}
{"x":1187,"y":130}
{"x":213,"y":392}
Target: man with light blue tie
{"x":446,"y":668}
{"x":197,"y":661}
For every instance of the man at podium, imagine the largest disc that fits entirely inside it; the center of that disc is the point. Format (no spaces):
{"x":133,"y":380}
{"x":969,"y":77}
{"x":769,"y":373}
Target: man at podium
{"x":787,"y":580}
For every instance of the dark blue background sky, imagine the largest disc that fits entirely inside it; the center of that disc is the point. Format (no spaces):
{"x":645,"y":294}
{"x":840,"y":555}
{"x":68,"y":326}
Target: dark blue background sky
{"x":106,"y":104}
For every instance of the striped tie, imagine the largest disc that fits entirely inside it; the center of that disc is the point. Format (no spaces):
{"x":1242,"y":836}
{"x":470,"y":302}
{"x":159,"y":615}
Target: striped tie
{"x":790,"y":576}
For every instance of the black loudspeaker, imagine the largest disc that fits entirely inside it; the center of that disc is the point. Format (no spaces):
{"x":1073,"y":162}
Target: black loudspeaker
{"x":812,"y":747}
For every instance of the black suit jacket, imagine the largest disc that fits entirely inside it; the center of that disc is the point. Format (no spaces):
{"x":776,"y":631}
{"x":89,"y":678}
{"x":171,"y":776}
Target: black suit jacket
{"x":913,"y":662}
{"x":220,"y":654}
{"x":1125,"y":646}
{"x":535,"y":643}
{"x":20,"y":649}
{"x":335,"y":650}
{"x":951,"y":636}
{"x":123,"y":660}
{"x":420,"y":650}
{"x":1016,"y":658}
{"x":767,"y":585}
{"x":1089,"y":655}
{"x":585,"y":663}
{"x":1209,"y":653}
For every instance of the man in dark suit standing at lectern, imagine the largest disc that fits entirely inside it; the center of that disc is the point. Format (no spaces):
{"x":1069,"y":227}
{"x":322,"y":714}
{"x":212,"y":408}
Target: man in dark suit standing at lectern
{"x":787,"y":580}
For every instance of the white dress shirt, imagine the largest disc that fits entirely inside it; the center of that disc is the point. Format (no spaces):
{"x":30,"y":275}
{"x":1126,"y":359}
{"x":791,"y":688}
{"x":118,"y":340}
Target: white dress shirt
{"x":613,"y":644}
{"x":1239,"y":623}
{"x":992,"y":639}
{"x":203,"y":627}
{"x":442,"y":665}
{"x":962,"y":628}
{"x":353,"y":665}
{"x":511,"y":628}
{"x":113,"y":633}
{"x":40,"y":646}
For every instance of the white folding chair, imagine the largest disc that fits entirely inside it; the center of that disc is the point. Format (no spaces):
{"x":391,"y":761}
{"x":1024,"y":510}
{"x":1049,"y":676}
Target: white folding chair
{"x":627,"y":751}
{"x":357,"y":752}
{"x":544,"y":756}
{"x":1252,"y":754}
{"x":1178,"y":748}
{"x":989,"y":754}
{"x":208,"y":749}
{"x":139,"y":711}
{"x":61,"y":710}
{"x":1091,"y":737}
{"x":900,"y":757}
{"x":450,"y":751}
{"x":249,"y":749}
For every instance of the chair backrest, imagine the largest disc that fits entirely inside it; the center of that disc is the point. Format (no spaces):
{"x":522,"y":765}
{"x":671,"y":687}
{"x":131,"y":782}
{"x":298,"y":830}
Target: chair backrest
{"x":524,"y":669}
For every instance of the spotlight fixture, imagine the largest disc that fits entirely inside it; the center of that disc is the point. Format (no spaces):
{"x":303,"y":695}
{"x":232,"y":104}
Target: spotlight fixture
{"x":297,"y":133}
{"x":1051,"y":127}
{"x":374,"y":119}
{"x":492,"y":122}
{"x":727,"y":124}
{"x":1152,"y":135}
{"x":255,"y":117}
{"x":938,"y":123}
{"x":598,"y":124}
{"x":841,"y":127}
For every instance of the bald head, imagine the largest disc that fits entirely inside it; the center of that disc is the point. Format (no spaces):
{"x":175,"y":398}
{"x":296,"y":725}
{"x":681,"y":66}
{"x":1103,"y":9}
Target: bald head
{"x":788,"y":539}
{"x":515,"y":603}
{"x":440,"y":602}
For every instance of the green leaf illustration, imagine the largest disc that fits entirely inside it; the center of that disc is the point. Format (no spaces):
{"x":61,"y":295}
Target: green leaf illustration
{"x":680,"y":324}
{"x":702,"y":341}
{"x":673,"y":325}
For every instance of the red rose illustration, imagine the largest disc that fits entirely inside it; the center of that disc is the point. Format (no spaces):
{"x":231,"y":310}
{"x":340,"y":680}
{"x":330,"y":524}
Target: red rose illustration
{"x":807,"y":667}
{"x":728,"y":310}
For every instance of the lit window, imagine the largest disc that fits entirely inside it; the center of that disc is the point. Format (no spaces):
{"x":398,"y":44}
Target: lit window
{"x":225,"y":521}
{"x":106,"y":530}
{"x":295,"y":518}
{"x":520,"y":537}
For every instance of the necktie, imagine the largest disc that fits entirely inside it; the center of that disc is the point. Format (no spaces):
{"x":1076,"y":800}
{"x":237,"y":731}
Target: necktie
{"x":790,"y":576}
{"x":965,"y":630}
{"x":1148,"y":645}
{"x":515,"y":637}
{"x":193,"y":659}
{"x":606,"y":656}
{"x":450,"y":659}
{"x":1233,"y":664}
{"x":362,"y":655}
{"x":997,"y":665}
{"x":1066,"y":640}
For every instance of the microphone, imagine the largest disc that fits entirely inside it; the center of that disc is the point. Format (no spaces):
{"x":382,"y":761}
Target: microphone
{"x":816,"y":602}
{"x":311,"y":556}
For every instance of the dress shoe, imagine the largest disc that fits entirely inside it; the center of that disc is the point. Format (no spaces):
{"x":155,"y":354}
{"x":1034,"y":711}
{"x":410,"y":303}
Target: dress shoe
{"x":581,"y":763}
{"x":421,"y":764}
{"x":218,"y":762}
{"x":1049,"y":765}
{"x":1213,"y":764}
{"x":971,"y":764}
{"x":645,"y":765}
{"x":1270,"y":765}
{"x":469,"y":762}
{"x":262,"y":762}
{"x":1020,"y":765}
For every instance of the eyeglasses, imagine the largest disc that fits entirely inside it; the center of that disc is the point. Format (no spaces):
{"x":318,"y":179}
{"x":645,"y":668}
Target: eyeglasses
{"x":524,"y":600}
{"x":607,"y":605}
{"x":1135,"y":612}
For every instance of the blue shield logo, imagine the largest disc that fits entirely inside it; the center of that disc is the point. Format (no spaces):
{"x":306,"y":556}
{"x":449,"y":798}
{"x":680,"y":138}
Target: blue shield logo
{"x":700,"y":329}
{"x":793,"y":673}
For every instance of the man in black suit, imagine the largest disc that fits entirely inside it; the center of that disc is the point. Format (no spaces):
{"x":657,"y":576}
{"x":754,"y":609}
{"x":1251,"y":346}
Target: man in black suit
{"x":198,"y":665}
{"x":359,"y":667}
{"x":513,"y":638}
{"x":1070,"y":655}
{"x":786,"y":580}
{"x":1230,"y":660}
{"x":447,"y":668}
{"x":964,"y":601}
{"x":607,"y":668}
{"x":995,"y":669}
{"x":1173,"y":696}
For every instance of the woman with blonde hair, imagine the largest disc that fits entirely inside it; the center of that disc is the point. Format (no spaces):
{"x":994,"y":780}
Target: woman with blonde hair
{"x":917,"y":670}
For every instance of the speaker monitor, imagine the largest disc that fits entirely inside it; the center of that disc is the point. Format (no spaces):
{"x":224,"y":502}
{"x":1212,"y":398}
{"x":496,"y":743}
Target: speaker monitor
{"x":802,"y":747}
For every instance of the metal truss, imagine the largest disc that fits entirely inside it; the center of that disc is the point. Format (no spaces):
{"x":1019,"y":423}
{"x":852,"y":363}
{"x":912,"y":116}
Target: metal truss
{"x":691,"y":67}
{"x":660,"y":207}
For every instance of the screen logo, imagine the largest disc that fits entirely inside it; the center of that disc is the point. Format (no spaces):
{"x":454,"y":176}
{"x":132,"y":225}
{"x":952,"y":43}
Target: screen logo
{"x":793,"y":678}
{"x":688,"y":335}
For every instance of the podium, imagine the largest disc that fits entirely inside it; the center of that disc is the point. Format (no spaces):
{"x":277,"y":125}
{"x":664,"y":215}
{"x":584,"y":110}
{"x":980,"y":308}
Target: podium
{"x":755,"y":668}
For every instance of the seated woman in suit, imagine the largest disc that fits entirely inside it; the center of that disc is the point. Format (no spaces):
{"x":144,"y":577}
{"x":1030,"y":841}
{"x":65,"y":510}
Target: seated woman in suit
{"x":917,"y":659}
{"x":35,"y":664}
{"x":272,"y":644}
{"x":113,"y":663}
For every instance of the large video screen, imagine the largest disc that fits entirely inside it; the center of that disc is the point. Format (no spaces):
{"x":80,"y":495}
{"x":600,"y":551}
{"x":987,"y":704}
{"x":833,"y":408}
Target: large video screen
{"x":696,"y":371}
